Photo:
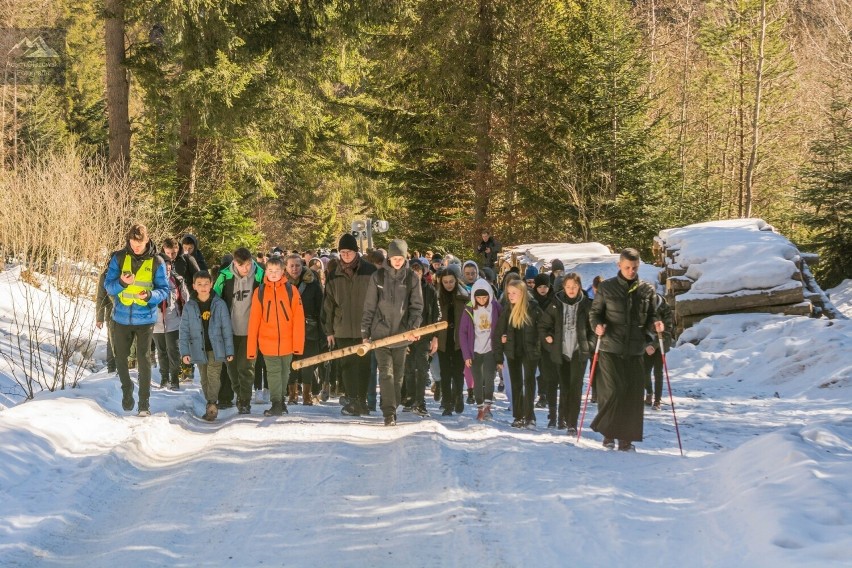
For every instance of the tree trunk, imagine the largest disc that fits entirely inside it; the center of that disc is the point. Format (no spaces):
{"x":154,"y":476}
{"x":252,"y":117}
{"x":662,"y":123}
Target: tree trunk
{"x":755,"y":119}
{"x":481,"y":182}
{"x":187,"y":155}
{"x":117,"y":87}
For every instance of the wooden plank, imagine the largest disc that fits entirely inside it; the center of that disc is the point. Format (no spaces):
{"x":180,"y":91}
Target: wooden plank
{"x":798,"y":309}
{"x":678,"y":284}
{"x":744,"y":300}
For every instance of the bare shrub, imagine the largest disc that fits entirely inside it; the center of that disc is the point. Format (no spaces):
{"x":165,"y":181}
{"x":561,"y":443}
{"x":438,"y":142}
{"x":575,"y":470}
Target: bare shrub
{"x":60,"y":217}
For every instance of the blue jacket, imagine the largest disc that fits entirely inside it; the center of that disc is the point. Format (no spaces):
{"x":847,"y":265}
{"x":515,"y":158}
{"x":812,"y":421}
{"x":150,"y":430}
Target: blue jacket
{"x":135,"y":314}
{"x":191,"y":338}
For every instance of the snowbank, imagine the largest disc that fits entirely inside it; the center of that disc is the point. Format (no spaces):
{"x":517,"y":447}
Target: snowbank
{"x":841,"y":297}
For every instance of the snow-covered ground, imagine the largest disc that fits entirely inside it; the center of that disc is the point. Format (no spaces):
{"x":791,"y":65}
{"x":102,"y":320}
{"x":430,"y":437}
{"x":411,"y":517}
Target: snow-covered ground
{"x":841,"y":297}
{"x":764,"y":405}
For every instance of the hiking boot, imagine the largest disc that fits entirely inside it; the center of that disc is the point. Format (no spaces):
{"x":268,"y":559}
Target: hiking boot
{"x":518,"y":423}
{"x":127,"y":402}
{"x":551,"y":424}
{"x":649,"y":399}
{"x":542,"y":402}
{"x":277,"y":409}
{"x":486,"y":415}
{"x":529,"y":425}
{"x":307,"y":396}
{"x":364,"y":409}
{"x":460,"y":405}
{"x":344,"y":400}
{"x":480,"y":415}
{"x":175,"y":386}
{"x":447,"y":412}
{"x":243,"y":409}
{"x":350,"y":409}
{"x":470,"y":398}
{"x":572,"y":432}
{"x":163,"y":383}
{"x":390,"y":420}
{"x":420,"y":410}
{"x":626,"y":446}
{"x":294,"y":394}
{"x":212,"y":412}
{"x":609,"y":443}
{"x":144,"y":413}
{"x":324,"y":394}
{"x":656,"y":405}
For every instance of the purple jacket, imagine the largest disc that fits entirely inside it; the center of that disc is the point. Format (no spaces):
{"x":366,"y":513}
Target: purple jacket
{"x":467,"y":333}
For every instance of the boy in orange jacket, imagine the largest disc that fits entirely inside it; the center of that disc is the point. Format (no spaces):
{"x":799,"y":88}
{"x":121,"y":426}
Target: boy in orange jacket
{"x":277,"y":328}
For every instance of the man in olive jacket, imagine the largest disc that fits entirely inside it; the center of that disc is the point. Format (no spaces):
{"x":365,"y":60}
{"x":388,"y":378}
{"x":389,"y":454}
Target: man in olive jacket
{"x":342,"y":310}
{"x":622,"y":313}
{"x":393,"y":305}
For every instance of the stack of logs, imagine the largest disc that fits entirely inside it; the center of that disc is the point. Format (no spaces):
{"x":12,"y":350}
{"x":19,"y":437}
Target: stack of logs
{"x":808,"y":299}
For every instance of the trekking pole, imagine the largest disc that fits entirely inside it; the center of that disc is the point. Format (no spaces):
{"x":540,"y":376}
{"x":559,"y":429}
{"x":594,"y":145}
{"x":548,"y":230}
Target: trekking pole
{"x":671,"y":397}
{"x":589,"y":390}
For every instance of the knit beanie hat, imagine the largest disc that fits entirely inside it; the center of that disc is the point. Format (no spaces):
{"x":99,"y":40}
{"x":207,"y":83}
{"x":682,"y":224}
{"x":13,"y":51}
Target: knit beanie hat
{"x":557,"y":265}
{"x":542,"y":280}
{"x":397,"y":247}
{"x":531,"y":273}
{"x":348,"y":242}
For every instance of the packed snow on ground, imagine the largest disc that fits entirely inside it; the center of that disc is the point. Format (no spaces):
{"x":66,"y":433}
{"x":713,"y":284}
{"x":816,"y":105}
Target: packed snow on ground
{"x":841,"y":297}
{"x":586,"y":259}
{"x":764,"y":413}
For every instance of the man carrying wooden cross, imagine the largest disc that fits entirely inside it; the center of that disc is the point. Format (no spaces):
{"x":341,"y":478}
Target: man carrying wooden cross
{"x":393,"y":305}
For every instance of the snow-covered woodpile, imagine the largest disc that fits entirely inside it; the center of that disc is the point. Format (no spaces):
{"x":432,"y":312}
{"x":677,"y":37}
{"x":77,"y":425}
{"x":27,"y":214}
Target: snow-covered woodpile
{"x":733,"y":266}
{"x":586,"y":259}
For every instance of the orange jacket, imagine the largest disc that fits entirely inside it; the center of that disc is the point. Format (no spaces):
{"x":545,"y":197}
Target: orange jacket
{"x":278,"y":326}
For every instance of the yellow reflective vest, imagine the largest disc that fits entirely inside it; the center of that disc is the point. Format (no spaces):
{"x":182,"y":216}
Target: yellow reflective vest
{"x":144,"y":282}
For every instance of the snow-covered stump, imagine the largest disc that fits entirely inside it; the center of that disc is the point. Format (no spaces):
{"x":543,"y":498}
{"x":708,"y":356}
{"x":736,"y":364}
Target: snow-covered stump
{"x":735,"y":266}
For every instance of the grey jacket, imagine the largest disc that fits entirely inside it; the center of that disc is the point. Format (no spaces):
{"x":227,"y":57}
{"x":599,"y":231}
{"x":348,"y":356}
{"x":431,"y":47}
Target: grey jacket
{"x":191,"y":339}
{"x":394,"y":303}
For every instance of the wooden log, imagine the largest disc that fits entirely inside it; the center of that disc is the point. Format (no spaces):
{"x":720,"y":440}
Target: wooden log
{"x":364,"y":348}
{"x":678,"y":284}
{"x":743,"y":300}
{"x":672,"y":271}
{"x":798,"y":309}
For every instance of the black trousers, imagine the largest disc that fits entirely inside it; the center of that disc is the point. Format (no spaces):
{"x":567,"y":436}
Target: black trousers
{"x":654,"y":366}
{"x":260,"y":381}
{"x":307,"y":375}
{"x":621,"y":404}
{"x":522,"y":375}
{"x":570,"y":380}
{"x":168,"y":356}
{"x":452,"y":378}
{"x":122,"y":338}
{"x":354,"y":369}
{"x":417,"y":371}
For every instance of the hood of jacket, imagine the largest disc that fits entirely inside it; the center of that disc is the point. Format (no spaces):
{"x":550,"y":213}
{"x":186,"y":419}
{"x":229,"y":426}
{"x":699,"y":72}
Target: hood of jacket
{"x":562,"y":297}
{"x":481,"y":284}
{"x":193,"y":238}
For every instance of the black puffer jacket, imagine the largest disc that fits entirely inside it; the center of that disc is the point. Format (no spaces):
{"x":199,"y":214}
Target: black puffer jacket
{"x":551,"y":325}
{"x":451,"y":303}
{"x":628,"y":309}
{"x":520,"y":343}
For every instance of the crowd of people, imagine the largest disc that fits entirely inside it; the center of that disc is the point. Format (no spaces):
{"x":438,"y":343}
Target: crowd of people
{"x":241,"y":325}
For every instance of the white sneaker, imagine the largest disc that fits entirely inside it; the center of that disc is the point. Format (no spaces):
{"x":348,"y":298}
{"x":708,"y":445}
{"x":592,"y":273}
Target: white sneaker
{"x":265,"y":396}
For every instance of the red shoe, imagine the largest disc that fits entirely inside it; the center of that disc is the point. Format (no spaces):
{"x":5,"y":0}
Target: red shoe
{"x":481,"y":414}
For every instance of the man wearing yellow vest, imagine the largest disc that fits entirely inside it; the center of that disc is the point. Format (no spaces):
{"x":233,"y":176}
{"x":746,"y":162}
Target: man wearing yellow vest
{"x":136,"y":279}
